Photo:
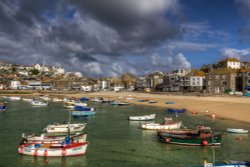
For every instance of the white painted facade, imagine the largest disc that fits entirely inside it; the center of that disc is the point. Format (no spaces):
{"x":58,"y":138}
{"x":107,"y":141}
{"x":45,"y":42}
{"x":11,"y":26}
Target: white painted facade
{"x":15,"y":84}
{"x":34,"y":84}
{"x":233,"y":64}
{"x":118,"y":88}
{"x":87,"y":88}
{"x":104,"y":85}
{"x":196,"y":81}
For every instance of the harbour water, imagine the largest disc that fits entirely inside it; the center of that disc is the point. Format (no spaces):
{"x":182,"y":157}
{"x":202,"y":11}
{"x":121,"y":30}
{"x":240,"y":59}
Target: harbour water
{"x":115,"y":141}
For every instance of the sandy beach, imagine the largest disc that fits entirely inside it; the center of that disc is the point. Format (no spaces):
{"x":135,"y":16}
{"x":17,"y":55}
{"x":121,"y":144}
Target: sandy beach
{"x":234,"y":108}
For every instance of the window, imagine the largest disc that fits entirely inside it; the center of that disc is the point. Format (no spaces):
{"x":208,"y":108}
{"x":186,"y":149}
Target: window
{"x":224,"y":82}
{"x":217,"y":77}
{"x":193,"y":83}
{"x":209,"y":83}
{"x":248,"y":74}
{"x":248,"y":81}
{"x":193,"y":79}
{"x":210,"y":77}
{"x":224,"y":76}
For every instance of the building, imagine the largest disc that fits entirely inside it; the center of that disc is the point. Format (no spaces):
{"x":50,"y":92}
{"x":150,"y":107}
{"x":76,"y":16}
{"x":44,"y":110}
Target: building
{"x":15,"y":84}
{"x":232,"y":63}
{"x":196,"y":81}
{"x":222,"y":80}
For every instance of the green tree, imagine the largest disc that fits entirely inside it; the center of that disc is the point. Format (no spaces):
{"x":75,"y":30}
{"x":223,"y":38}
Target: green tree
{"x":34,"y":71}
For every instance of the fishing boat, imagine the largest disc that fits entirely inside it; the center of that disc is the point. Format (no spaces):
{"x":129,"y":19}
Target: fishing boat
{"x":3,"y":106}
{"x":43,"y":138}
{"x":82,"y":113}
{"x":202,"y":136}
{"x":80,"y":108}
{"x":45,"y":98}
{"x":64,"y":149}
{"x":170,"y":102}
{"x":232,"y":130}
{"x":78,"y":103}
{"x":39,"y":103}
{"x":176,"y":110}
{"x":118,"y":103}
{"x":167,"y":125}
{"x":84,"y":99}
{"x":142,"y":118}
{"x":64,"y":128}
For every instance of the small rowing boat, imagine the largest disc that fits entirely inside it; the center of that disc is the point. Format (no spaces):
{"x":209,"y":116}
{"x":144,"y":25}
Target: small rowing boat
{"x":142,"y":118}
{"x":232,"y":130}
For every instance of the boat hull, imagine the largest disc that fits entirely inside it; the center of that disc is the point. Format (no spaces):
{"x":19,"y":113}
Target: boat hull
{"x":231,"y":130}
{"x":82,"y":113}
{"x":64,"y":128}
{"x":44,"y":150}
{"x":153,"y":126}
{"x":142,"y":118}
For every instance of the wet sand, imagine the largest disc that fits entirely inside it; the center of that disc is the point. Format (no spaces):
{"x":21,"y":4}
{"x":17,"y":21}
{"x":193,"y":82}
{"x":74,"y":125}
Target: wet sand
{"x":234,"y":108}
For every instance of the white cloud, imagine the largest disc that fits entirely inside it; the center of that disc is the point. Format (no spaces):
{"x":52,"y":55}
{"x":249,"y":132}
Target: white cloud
{"x":236,"y":53}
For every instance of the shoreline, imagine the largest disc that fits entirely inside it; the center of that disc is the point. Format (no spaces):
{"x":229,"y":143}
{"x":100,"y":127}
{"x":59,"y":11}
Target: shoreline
{"x":231,"y":108}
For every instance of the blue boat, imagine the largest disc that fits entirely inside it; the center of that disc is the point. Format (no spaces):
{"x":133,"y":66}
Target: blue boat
{"x":81,"y":108}
{"x":3,"y":106}
{"x":176,"y":110}
{"x":82,"y":113}
{"x":84,"y":99}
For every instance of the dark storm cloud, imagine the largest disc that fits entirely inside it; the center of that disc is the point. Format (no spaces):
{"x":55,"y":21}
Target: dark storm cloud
{"x":93,"y":37}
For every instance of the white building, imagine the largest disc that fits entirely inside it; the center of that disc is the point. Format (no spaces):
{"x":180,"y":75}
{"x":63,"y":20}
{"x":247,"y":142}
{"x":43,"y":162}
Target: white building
{"x":33,"y":84}
{"x":104,"y":85}
{"x":15,"y":84}
{"x":232,"y":63}
{"x":87,"y":88}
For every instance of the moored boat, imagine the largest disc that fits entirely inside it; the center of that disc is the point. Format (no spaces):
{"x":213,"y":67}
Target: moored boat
{"x":176,"y":110}
{"x":168,"y":125}
{"x":142,"y":118}
{"x":202,"y":136}
{"x":82,"y":113}
{"x":14,"y":98}
{"x":3,"y":106}
{"x":39,"y":103}
{"x":65,"y":128}
{"x":43,"y":138}
{"x":53,"y":149}
{"x":78,"y":103}
{"x":227,"y":164}
{"x":80,"y":108}
{"x":233,"y":130}
{"x":27,"y":99}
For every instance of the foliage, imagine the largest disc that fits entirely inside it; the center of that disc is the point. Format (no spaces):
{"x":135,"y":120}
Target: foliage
{"x":34,"y":72}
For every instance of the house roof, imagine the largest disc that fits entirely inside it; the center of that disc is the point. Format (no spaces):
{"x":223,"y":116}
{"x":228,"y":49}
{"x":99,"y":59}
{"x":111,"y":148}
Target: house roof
{"x":223,"y":71}
{"x":230,"y":59}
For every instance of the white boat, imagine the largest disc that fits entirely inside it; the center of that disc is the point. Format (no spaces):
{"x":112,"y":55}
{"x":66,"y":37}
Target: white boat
{"x":45,"y":98}
{"x":39,"y":103}
{"x":27,"y":99}
{"x":142,"y":118}
{"x":43,"y":138}
{"x":53,"y":149}
{"x":78,"y":103}
{"x":56,"y":100}
{"x":64,"y":128}
{"x":232,"y":130}
{"x":14,"y":98}
{"x":170,"y":125}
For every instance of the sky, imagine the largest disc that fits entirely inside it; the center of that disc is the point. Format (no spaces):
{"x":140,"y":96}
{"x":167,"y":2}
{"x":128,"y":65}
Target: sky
{"x":111,"y":37}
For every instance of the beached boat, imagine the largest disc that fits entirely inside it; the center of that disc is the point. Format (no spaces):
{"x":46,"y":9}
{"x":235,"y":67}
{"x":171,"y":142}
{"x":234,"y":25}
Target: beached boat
{"x":170,"y":102}
{"x":151,"y":102}
{"x":45,"y":98}
{"x":64,"y":128}
{"x":43,"y":138}
{"x":84,"y":99}
{"x":232,"y":130}
{"x":27,"y":99}
{"x":142,"y":118}
{"x":118,"y":103}
{"x":54,"y":149}
{"x":202,"y":136}
{"x":167,"y":125}
{"x":176,"y":110}
{"x":82,"y":113}
{"x":78,"y":103}
{"x":14,"y":98}
{"x":3,"y":106}
{"x":38,"y":103}
{"x":142,"y":100}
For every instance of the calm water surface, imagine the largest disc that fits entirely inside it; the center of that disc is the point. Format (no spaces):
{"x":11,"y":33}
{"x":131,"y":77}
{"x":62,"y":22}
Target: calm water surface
{"x":115,"y":141}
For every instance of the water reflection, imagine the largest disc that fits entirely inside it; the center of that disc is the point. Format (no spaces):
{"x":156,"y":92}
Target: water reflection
{"x":51,"y":161}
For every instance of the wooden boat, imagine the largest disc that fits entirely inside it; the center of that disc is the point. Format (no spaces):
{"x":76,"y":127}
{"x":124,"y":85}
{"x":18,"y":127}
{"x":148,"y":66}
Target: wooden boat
{"x":39,"y":103}
{"x":168,"y":125}
{"x":142,"y":118}
{"x":202,"y":136}
{"x":232,"y":130}
{"x":84,"y":99}
{"x":142,"y":100}
{"x":64,"y":128}
{"x":82,"y":113}
{"x":3,"y":106}
{"x":151,"y":102}
{"x":54,"y":149}
{"x":176,"y":110}
{"x":118,"y":103}
{"x":43,"y":138}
